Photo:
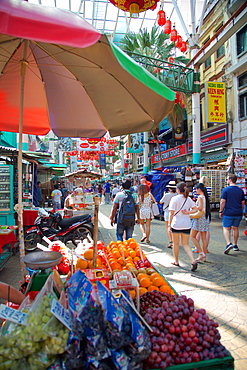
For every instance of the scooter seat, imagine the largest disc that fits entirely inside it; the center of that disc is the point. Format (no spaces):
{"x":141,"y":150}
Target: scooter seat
{"x":66,"y":222}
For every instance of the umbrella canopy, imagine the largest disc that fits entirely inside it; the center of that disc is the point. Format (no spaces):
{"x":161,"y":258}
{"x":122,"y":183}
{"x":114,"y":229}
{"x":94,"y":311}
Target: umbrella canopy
{"x":74,"y":90}
{"x":57,"y":72}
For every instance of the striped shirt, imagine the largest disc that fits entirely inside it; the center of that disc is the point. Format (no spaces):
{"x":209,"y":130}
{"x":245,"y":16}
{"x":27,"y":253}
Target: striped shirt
{"x":209,"y":191}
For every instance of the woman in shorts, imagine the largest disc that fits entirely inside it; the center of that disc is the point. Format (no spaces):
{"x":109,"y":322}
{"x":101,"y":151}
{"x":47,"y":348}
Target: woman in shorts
{"x":180,"y":224}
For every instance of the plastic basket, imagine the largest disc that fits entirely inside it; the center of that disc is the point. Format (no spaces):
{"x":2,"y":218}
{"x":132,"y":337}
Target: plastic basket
{"x":226,"y":363}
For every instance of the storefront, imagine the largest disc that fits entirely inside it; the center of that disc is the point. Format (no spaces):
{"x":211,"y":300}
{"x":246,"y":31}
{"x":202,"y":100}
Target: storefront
{"x":214,"y":144}
{"x":172,"y":157}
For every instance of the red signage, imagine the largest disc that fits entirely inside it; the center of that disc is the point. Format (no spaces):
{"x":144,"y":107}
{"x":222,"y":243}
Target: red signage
{"x":170,"y":153}
{"x":212,"y":139}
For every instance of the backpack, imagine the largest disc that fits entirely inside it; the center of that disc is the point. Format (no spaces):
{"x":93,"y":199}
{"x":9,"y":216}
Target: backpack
{"x":126,"y":215}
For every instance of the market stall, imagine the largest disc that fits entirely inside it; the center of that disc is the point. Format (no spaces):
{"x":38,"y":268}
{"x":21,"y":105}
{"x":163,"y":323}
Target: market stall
{"x":7,"y":243}
{"x":83,"y":198}
{"x":121,"y":315}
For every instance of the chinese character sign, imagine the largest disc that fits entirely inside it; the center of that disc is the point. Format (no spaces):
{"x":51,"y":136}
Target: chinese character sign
{"x":215,"y":94}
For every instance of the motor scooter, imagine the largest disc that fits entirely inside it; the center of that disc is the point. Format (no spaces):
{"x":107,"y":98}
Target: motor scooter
{"x":52,"y":226}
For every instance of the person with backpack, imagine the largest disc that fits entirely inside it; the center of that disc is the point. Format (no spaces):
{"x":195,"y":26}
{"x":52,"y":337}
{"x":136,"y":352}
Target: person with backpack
{"x":126,"y":208}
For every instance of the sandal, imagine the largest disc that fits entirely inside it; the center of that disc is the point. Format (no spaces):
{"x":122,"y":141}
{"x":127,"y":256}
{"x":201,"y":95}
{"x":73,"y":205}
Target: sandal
{"x":170,"y":245}
{"x":142,"y":239}
{"x":175,"y":264}
{"x":201,"y":257}
{"x":193,"y":266}
{"x":147,"y":241}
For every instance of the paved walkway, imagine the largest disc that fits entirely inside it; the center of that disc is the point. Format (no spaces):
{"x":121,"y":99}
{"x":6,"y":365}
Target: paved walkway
{"x":219,"y":285}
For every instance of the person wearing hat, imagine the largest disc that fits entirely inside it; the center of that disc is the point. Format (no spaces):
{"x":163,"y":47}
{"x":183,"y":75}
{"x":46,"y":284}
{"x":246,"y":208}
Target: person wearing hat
{"x":165,"y":200}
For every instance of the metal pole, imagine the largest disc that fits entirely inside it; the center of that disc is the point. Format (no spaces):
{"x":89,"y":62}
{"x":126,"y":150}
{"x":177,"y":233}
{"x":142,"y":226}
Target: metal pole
{"x":196,"y":119}
{"x":95,"y":230}
{"x":20,"y":208}
{"x":145,"y":153}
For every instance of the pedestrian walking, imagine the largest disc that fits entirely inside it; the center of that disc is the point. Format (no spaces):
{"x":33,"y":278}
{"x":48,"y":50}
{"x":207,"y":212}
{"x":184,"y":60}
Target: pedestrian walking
{"x":145,"y":200}
{"x":64,"y":192}
{"x":107,"y":192}
{"x":180,"y":224}
{"x":201,"y":224}
{"x":56,"y":198}
{"x":231,"y":211}
{"x":205,"y":181}
{"x":125,"y":207}
{"x":165,"y":200}
{"x":39,"y":194}
{"x":115,"y":190}
{"x":99,"y":191}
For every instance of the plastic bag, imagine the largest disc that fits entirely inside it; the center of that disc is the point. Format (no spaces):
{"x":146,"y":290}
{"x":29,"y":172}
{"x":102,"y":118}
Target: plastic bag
{"x":86,"y":313}
{"x":116,"y":319}
{"x":57,"y":336}
{"x":40,"y":312}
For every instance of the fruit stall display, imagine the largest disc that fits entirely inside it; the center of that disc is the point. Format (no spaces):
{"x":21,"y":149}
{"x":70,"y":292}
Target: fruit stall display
{"x":121,"y":315}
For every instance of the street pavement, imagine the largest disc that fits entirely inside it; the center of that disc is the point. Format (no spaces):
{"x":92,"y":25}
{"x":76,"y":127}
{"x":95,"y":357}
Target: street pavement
{"x":219,"y":285}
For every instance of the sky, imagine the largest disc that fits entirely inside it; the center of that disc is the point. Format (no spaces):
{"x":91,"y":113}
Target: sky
{"x":107,"y":18}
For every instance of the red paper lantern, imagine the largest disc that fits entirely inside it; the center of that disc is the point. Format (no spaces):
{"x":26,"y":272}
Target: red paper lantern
{"x":178,"y":42}
{"x":134,"y":7}
{"x":168,"y":27}
{"x":177,"y":98}
{"x":173,"y":35}
{"x":161,"y":18}
{"x":170,"y":60}
{"x":183,"y":47}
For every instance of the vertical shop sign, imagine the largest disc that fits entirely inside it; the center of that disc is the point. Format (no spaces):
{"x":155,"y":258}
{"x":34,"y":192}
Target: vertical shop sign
{"x":102,"y":161}
{"x":215,"y":94}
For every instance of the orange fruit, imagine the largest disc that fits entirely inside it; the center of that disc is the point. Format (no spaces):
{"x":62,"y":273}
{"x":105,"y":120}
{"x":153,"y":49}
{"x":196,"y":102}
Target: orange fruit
{"x":132,"y":293}
{"x":81,"y":264}
{"x":145,"y":282}
{"x":142,"y":275}
{"x":116,"y":253}
{"x":135,"y":259}
{"x":166,"y":289}
{"x":152,"y":287}
{"x":132,"y":254}
{"x":111,"y":243}
{"x":142,"y":290}
{"x":90,"y":264}
{"x":125,"y":251}
{"x":133,"y":244}
{"x":158,"y":281}
{"x":154,"y":275}
{"x":98,"y":262}
{"x":88,"y":254}
{"x":120,"y":261}
{"x":138,"y":252}
{"x":115,"y":266}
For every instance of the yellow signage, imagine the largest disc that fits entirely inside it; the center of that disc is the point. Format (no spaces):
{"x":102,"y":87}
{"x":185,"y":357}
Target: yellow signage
{"x":215,"y":94}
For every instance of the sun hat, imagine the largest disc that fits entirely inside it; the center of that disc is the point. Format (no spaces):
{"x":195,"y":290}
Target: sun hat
{"x":171,"y":184}
{"x":78,"y":190}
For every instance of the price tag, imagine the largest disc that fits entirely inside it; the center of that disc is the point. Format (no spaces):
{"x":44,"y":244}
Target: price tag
{"x":61,"y":313}
{"x":10,"y":314}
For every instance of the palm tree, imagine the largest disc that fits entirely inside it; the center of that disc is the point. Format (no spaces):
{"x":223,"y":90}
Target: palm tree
{"x":155,"y":45}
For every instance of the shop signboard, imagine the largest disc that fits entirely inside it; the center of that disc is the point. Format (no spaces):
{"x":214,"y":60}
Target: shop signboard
{"x":211,"y":139}
{"x":215,"y":95}
{"x":136,"y":143}
{"x":170,"y":153}
{"x":102,"y":161}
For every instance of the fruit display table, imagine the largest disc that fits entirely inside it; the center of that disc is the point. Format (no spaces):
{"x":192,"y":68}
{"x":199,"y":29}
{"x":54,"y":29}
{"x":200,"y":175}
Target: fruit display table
{"x":29,"y":216}
{"x":121,"y":314}
{"x":7,"y":243}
